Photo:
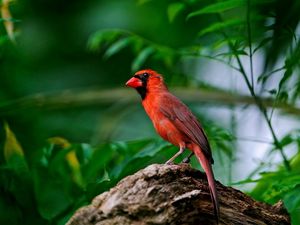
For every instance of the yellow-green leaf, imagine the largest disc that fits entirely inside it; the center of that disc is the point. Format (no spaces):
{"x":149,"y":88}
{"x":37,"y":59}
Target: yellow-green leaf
{"x":12,"y":146}
{"x":71,"y":158}
{"x":8,"y":23}
{"x":59,"y":141}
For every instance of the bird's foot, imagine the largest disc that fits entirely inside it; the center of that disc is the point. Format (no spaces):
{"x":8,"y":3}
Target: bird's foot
{"x":169,"y":162}
{"x":186,"y":160}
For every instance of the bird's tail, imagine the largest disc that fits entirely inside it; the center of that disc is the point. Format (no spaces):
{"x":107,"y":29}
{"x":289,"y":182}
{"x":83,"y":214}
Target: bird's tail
{"x":206,"y":165}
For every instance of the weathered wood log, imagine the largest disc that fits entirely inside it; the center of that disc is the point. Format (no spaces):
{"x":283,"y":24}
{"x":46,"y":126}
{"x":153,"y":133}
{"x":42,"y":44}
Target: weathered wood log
{"x":174,"y":194}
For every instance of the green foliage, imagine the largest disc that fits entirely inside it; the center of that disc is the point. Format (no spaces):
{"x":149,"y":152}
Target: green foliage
{"x":221,"y":26}
{"x":51,"y":186}
{"x":218,"y":7}
{"x":44,"y":183}
{"x":174,"y":9}
{"x":117,"y":40}
{"x":281,"y":185}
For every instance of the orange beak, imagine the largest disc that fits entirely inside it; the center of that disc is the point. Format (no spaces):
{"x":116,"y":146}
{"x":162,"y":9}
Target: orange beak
{"x":134,"y":82}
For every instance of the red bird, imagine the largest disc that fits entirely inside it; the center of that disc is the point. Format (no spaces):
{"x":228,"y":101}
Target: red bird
{"x":175,"y":123}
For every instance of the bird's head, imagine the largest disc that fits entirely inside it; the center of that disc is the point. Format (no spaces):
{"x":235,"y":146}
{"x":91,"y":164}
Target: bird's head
{"x":146,"y":80}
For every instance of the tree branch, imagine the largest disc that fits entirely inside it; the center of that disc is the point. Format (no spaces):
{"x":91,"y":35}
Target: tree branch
{"x":174,"y":194}
{"x":81,"y":98}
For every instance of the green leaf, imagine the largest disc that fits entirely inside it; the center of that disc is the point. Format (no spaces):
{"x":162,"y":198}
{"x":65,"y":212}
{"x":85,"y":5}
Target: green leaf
{"x":101,"y":37}
{"x":52,"y":198}
{"x":174,"y":9}
{"x":19,"y":185}
{"x":293,"y":59}
{"x":151,"y":149}
{"x":135,"y":162}
{"x":262,"y":44}
{"x":275,"y":185}
{"x":218,"y":7}
{"x":286,"y":140}
{"x":12,"y":146}
{"x":104,"y":178}
{"x":13,"y":152}
{"x":117,"y":46}
{"x":166,"y":55}
{"x":295,"y":161}
{"x":237,"y":52}
{"x":96,"y":162}
{"x":141,"y":58}
{"x":286,"y":76}
{"x":273,"y":92}
{"x":265,"y":76}
{"x":292,"y":199}
{"x":283,"y":96}
{"x":220,"y":26}
{"x":137,"y":44}
{"x":246,"y":181}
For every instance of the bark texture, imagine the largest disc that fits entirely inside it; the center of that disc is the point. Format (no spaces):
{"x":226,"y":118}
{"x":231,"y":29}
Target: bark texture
{"x":174,"y":194}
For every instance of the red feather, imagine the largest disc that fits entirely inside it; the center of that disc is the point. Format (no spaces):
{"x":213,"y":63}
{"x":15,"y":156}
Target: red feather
{"x":185,"y":122}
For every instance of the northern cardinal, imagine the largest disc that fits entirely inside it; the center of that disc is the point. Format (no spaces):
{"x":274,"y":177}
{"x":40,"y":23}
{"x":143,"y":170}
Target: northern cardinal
{"x":175,"y":123}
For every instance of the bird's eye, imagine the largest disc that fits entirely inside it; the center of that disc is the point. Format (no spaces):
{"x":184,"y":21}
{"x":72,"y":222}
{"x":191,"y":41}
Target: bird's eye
{"x":145,"y":75}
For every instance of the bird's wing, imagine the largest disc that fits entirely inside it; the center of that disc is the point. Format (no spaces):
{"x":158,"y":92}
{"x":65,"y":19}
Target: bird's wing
{"x":183,"y":119}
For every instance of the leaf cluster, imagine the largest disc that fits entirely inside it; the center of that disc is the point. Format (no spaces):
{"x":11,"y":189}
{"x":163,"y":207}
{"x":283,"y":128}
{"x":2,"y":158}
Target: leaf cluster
{"x":64,"y":176}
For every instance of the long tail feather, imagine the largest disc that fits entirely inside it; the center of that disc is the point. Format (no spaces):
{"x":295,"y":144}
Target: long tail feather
{"x":206,"y":165}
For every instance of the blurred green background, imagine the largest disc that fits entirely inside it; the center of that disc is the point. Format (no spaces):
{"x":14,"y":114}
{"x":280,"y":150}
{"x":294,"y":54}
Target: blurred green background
{"x":70,"y":130}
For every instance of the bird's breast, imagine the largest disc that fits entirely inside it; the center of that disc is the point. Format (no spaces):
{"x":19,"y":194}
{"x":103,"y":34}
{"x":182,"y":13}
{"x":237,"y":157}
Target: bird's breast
{"x":163,"y":126}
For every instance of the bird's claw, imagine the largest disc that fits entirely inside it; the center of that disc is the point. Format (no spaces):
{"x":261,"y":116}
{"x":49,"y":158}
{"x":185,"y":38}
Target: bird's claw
{"x":186,"y":160}
{"x":169,"y":162}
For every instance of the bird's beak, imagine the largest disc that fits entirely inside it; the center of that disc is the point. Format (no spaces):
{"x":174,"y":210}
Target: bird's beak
{"x":134,"y":82}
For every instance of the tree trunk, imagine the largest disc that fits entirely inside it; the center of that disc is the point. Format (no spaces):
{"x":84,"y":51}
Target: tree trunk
{"x":174,"y":194}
